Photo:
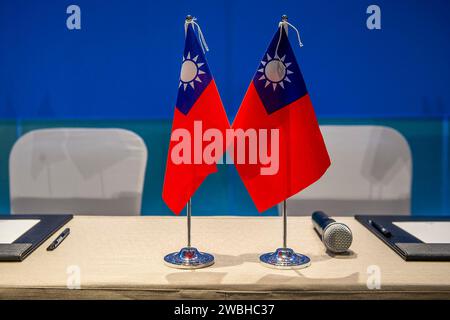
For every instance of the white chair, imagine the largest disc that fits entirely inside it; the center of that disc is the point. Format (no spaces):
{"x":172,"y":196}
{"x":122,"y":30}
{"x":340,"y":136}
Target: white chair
{"x":370,"y":173}
{"x":78,"y":171}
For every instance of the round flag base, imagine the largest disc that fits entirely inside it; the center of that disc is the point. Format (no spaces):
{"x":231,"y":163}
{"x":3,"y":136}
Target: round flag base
{"x":285,"y":258}
{"x":189,"y":258}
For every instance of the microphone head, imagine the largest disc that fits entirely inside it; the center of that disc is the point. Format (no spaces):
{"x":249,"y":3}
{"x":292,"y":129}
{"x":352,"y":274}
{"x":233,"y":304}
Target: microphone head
{"x":337,"y":237}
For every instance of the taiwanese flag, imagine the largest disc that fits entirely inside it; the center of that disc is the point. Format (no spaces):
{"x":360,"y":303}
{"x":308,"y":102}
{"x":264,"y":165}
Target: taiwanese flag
{"x":198,"y":103}
{"x":277,"y":98}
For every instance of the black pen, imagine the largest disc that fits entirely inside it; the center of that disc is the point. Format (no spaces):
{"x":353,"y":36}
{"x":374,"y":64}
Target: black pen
{"x":385,"y":232}
{"x":58,"y":240}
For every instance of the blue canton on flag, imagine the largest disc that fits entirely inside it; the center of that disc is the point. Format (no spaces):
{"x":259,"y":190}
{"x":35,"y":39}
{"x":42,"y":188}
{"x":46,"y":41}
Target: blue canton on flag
{"x":195,"y":75}
{"x":279,"y":80}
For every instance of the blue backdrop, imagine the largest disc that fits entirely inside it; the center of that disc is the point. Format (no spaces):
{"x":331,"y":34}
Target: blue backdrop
{"x":125,"y":60}
{"x":122,"y":69}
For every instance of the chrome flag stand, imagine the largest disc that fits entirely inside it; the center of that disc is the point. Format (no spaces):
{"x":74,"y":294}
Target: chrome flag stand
{"x":189,"y":257}
{"x":285,"y":258}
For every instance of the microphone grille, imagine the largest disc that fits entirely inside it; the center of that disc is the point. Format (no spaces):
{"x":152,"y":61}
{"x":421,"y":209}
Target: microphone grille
{"x":337,"y":237}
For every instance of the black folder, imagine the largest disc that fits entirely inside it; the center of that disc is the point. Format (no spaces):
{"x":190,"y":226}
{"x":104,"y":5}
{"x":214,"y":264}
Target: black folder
{"x":405,"y":244}
{"x":34,"y":237}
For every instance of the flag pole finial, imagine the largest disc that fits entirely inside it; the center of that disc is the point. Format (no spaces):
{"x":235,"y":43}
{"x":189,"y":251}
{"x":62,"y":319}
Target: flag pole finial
{"x":284,"y":22}
{"x":191,"y":20}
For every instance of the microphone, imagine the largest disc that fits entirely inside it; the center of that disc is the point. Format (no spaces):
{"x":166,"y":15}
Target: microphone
{"x":336,"y":236}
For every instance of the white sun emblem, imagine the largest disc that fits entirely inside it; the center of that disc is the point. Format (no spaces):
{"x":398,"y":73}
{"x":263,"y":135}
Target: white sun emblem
{"x":190,"y":71}
{"x":275,"y":71}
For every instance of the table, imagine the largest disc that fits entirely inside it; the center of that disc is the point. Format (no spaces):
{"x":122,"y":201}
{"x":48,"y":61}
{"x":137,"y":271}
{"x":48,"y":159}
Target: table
{"x":122,"y":258}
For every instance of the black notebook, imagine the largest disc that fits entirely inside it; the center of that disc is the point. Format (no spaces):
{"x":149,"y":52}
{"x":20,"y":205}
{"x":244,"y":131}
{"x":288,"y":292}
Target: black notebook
{"x":20,"y":235}
{"x":414,"y":238}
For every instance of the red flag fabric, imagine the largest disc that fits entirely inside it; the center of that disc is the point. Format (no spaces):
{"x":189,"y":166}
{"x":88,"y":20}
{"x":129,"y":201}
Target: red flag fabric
{"x":198,"y":109}
{"x":277,"y":101}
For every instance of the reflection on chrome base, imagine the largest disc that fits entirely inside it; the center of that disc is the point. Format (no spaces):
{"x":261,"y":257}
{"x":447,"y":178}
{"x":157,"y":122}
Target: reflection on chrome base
{"x":189,"y":258}
{"x":285,"y":258}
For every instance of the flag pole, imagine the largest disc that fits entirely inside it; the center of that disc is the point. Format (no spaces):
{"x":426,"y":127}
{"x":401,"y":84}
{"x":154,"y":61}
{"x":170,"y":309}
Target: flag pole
{"x":284,"y":225}
{"x":284,"y":209}
{"x":189,"y":257}
{"x":285,"y":257}
{"x":188,"y":214}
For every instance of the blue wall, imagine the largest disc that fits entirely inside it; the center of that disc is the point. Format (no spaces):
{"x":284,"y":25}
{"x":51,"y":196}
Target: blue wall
{"x":125,"y":61}
{"x":121,"y":70}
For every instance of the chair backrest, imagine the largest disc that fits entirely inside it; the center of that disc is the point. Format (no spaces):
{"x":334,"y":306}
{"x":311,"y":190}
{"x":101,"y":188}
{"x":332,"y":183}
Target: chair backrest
{"x":370,"y":173}
{"x":79,"y":171}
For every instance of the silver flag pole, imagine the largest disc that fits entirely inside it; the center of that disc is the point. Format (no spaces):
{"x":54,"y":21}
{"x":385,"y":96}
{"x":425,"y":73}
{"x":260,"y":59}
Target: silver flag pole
{"x":189,"y":257}
{"x":285,"y":257}
{"x":188,"y":214}
{"x":284,"y":224}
